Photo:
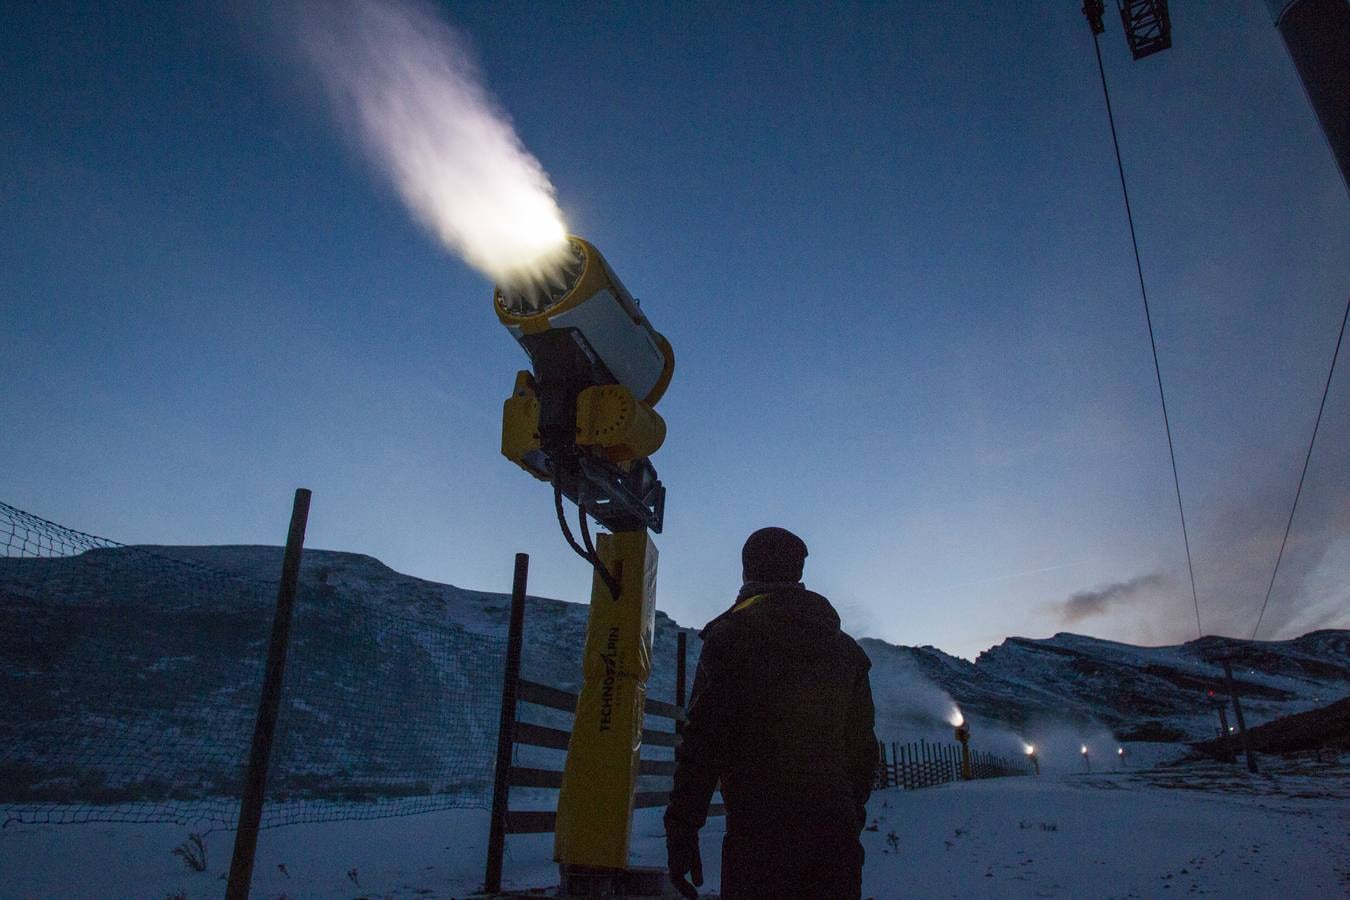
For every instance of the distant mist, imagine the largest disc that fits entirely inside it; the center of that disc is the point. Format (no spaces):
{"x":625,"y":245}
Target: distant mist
{"x":1086,"y":604}
{"x":1234,"y":547}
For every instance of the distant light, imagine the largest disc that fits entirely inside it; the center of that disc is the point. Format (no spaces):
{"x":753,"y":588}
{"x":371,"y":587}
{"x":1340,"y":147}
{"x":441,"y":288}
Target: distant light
{"x":1085,"y":749}
{"x":1120,"y":751}
{"x":956,"y":718}
{"x":1030,"y":749}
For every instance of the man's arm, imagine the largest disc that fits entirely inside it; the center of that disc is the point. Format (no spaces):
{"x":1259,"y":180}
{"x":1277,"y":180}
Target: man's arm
{"x":700,"y":757}
{"x":862,"y":738}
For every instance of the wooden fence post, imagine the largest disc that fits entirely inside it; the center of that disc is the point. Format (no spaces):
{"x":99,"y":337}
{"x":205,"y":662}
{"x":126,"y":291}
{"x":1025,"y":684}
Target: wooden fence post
{"x":501,"y":782}
{"x":264,"y":729}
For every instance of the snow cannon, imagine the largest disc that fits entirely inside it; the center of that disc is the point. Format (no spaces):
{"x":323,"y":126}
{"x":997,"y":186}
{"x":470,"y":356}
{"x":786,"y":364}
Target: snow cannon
{"x":963,"y":735}
{"x":1035,"y":760}
{"x":584,"y":418}
{"x":1087,"y":760}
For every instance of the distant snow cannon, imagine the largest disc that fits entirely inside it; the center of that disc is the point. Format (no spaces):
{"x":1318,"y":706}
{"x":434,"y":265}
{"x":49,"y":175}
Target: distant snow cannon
{"x":1031,"y":755}
{"x":1087,"y":760}
{"x":963,"y":735}
{"x":584,"y":418}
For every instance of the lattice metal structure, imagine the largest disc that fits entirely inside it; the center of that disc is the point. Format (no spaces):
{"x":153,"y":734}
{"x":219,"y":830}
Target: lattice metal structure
{"x":1148,"y":27}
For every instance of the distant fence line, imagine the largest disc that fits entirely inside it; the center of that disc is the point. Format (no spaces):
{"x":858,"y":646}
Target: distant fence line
{"x":921,"y":764}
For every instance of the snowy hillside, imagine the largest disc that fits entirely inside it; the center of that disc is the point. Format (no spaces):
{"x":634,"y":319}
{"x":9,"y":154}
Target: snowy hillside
{"x":391,"y":676}
{"x":1150,"y":694}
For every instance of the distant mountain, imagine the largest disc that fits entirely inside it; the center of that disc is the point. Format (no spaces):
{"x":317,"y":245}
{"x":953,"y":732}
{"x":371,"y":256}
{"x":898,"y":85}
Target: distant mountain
{"x":1138,"y":693}
{"x":132,"y":673}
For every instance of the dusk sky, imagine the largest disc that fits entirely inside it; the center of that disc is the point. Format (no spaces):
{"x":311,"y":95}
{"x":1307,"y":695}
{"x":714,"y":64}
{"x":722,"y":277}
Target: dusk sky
{"x":886,"y":242}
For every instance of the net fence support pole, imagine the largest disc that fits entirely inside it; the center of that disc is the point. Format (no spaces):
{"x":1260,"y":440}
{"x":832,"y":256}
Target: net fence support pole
{"x":255,"y":782}
{"x":501,"y":782}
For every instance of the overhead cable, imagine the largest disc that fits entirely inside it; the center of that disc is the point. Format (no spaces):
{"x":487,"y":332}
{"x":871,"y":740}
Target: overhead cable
{"x":1306,"y":459}
{"x":1148,"y":317}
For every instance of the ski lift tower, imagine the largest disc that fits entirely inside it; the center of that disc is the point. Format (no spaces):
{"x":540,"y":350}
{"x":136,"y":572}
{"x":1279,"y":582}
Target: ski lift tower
{"x":1148,"y":27}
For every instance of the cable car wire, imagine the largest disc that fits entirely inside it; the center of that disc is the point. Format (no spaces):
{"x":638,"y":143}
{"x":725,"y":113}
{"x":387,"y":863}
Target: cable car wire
{"x":1148,"y":317}
{"x":1306,"y":459}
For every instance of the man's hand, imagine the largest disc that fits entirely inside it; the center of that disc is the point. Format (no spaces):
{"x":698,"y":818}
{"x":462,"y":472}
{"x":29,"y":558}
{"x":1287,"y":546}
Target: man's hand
{"x":683,"y":858}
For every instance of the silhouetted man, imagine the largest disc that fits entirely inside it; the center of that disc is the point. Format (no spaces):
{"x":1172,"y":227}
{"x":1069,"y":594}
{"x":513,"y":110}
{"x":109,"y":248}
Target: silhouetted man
{"x":781,"y":713}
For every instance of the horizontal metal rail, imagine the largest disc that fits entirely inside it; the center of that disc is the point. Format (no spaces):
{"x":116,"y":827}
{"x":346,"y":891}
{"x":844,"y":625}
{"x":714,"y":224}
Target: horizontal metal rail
{"x":530,"y":822}
{"x":555,"y":698}
{"x":541,"y":736}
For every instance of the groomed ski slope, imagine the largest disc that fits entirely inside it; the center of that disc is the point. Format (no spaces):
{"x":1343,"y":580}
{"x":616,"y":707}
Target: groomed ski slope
{"x":1200,"y":830}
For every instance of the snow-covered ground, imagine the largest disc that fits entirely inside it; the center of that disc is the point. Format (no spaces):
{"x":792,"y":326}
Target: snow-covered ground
{"x":1206,"y":829}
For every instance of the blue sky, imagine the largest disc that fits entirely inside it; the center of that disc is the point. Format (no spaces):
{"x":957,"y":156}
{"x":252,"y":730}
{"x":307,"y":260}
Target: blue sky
{"x":886,"y":241}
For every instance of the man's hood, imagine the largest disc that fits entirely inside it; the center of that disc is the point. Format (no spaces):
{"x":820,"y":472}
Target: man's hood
{"x":791,"y":604}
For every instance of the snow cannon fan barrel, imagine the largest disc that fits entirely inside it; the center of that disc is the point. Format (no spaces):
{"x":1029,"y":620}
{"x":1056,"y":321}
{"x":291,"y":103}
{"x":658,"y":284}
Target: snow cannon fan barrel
{"x":584,"y":418}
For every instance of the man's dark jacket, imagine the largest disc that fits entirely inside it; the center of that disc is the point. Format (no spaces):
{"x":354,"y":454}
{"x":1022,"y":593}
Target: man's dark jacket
{"x":781,"y":712}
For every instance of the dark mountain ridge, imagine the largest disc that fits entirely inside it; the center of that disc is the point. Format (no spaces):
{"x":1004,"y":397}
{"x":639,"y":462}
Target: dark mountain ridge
{"x":134,"y":650}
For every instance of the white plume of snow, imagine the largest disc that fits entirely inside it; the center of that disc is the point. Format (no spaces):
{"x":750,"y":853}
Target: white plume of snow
{"x":403,"y":79}
{"x":909,"y":705}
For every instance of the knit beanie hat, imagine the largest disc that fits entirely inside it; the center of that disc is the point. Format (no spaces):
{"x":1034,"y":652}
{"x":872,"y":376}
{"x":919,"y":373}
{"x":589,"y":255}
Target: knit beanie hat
{"x":773,"y":555}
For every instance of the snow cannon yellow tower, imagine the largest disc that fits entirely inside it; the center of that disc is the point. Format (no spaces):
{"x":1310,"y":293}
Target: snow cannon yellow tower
{"x":583,"y":420}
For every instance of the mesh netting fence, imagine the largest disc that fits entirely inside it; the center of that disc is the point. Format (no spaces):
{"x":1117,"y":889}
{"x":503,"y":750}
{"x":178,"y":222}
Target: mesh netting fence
{"x":132,"y":677}
{"x":383,"y":715}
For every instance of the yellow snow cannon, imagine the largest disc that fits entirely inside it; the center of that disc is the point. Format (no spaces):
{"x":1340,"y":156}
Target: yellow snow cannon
{"x":584,"y":418}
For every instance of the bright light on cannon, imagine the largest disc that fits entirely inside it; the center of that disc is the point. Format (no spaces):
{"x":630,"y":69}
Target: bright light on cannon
{"x":583,"y":296}
{"x":956,"y":718}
